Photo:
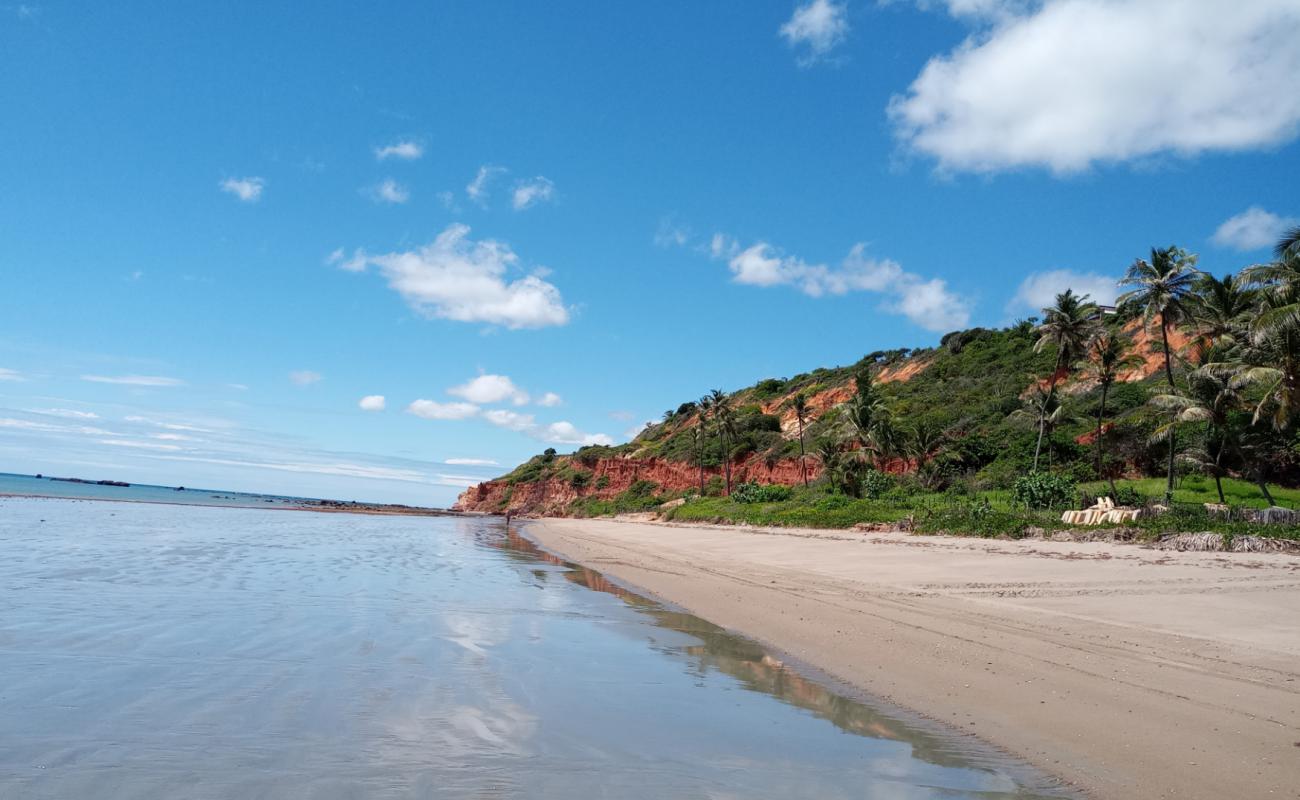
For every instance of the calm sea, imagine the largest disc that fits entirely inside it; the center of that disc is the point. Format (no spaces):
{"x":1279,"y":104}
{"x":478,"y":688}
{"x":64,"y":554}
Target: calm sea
{"x":45,"y":486}
{"x":160,"y":651}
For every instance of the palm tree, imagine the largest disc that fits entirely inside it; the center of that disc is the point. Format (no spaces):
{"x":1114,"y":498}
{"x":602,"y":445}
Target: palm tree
{"x":1289,"y":244}
{"x":725,"y":422}
{"x":1222,"y":309}
{"x":1043,"y":410}
{"x":800,"y":404}
{"x":697,"y":447}
{"x":1068,"y":325}
{"x":867,"y":421}
{"x":1211,"y":397}
{"x":705,"y":406}
{"x":1108,"y":358}
{"x":1162,"y":287}
{"x":1273,"y":361}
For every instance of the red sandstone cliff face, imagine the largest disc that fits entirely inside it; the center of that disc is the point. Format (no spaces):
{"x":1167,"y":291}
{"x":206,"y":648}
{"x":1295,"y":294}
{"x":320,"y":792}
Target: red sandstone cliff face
{"x":552,"y":496}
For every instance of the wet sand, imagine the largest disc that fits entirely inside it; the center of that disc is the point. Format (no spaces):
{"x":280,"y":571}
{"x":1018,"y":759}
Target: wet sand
{"x":1127,"y":672}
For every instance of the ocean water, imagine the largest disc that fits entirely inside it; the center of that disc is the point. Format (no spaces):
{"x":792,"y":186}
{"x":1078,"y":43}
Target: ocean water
{"x":45,"y":486}
{"x":160,"y":651}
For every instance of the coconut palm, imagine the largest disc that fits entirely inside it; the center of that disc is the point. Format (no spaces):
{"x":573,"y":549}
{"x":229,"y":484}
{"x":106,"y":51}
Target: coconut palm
{"x":867,"y":421}
{"x":1068,"y":325}
{"x":1211,"y":397}
{"x":800,"y":404}
{"x":725,"y":422}
{"x":1043,"y":410}
{"x":1222,"y":309}
{"x":1108,"y":357}
{"x":1273,"y":362}
{"x":1163,"y":287}
{"x":697,"y":447}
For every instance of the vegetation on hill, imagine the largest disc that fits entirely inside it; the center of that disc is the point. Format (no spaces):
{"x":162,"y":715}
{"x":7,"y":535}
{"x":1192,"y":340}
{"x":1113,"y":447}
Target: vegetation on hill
{"x":1192,"y":381}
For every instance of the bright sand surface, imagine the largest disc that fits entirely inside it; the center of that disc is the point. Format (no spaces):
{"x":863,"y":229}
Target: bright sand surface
{"x":1126,"y":671}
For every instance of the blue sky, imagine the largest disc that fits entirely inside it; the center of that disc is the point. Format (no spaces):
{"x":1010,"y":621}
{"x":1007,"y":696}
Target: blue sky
{"x":530,"y":225}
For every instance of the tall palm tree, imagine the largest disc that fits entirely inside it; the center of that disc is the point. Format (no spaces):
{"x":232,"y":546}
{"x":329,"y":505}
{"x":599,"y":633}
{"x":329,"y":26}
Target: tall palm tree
{"x":1043,"y":410}
{"x":1222,"y":309}
{"x":800,"y":404}
{"x":697,"y":447}
{"x":866,"y":420}
{"x":1273,"y":361}
{"x":1211,"y":397}
{"x":1163,"y":287}
{"x":1068,"y":325}
{"x":1108,"y":357}
{"x":705,"y":407}
{"x":725,"y":422}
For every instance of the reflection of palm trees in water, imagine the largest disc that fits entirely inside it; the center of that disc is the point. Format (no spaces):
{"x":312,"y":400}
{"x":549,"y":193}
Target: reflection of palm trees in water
{"x":746,"y":661}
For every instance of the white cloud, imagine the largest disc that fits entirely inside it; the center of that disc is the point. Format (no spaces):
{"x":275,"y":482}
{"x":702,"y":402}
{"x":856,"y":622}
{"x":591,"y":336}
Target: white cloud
{"x":549,"y":400}
{"x":239,"y":387}
{"x":531,"y":192}
{"x":562,"y":432}
{"x":1039,"y":290}
{"x":928,"y":303}
{"x":565,"y":433}
{"x":405,"y":150}
{"x":248,"y":190}
{"x":305,"y":377}
{"x":389,"y":191}
{"x":11,"y":375}
{"x":171,"y":437}
{"x":478,"y":189}
{"x":66,"y":413}
{"x":1253,"y":229}
{"x":461,"y":279}
{"x":818,"y":25}
{"x":372,"y":402}
{"x":471,"y":462}
{"x":448,"y":201}
{"x":1071,"y":83}
{"x":490,"y":389}
{"x":134,"y":380}
{"x":429,"y":409}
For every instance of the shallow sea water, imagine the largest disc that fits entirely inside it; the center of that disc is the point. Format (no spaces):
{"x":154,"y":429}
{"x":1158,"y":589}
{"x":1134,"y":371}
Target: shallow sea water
{"x":154,"y":651}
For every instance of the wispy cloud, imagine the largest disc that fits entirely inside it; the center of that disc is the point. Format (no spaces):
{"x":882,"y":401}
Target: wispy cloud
{"x":372,"y":402}
{"x":531,"y":192}
{"x":1253,"y":229}
{"x":11,"y":375}
{"x":479,"y":189}
{"x":562,"y":432}
{"x":134,"y":380}
{"x":816,"y":27}
{"x":550,"y":400}
{"x":249,"y":189}
{"x":389,"y":191}
{"x":405,"y":150}
{"x":471,"y":462}
{"x":928,"y":303}
{"x":460,"y":279}
{"x":65,"y":413}
{"x":305,"y":377}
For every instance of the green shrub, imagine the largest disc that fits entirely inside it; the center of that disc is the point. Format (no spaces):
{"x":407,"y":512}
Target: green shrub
{"x":1043,"y":490}
{"x":580,"y":479}
{"x":875,"y":484}
{"x":761,"y":493}
{"x":713,"y":486}
{"x":602,"y":482}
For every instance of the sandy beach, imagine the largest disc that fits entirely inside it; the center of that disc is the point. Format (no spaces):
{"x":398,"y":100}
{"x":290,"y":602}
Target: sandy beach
{"x":1127,"y":672}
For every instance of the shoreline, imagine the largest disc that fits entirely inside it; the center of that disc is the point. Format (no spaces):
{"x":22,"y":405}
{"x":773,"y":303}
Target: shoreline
{"x":1122,"y":671}
{"x":377,"y":509}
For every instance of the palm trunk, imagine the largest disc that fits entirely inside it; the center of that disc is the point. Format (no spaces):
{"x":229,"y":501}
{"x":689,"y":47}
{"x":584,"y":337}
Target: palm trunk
{"x":1169,"y":375}
{"x":1042,"y":423}
{"x":1263,"y":487}
{"x":803,"y":464}
{"x":1218,"y":482}
{"x":1101,"y":413}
